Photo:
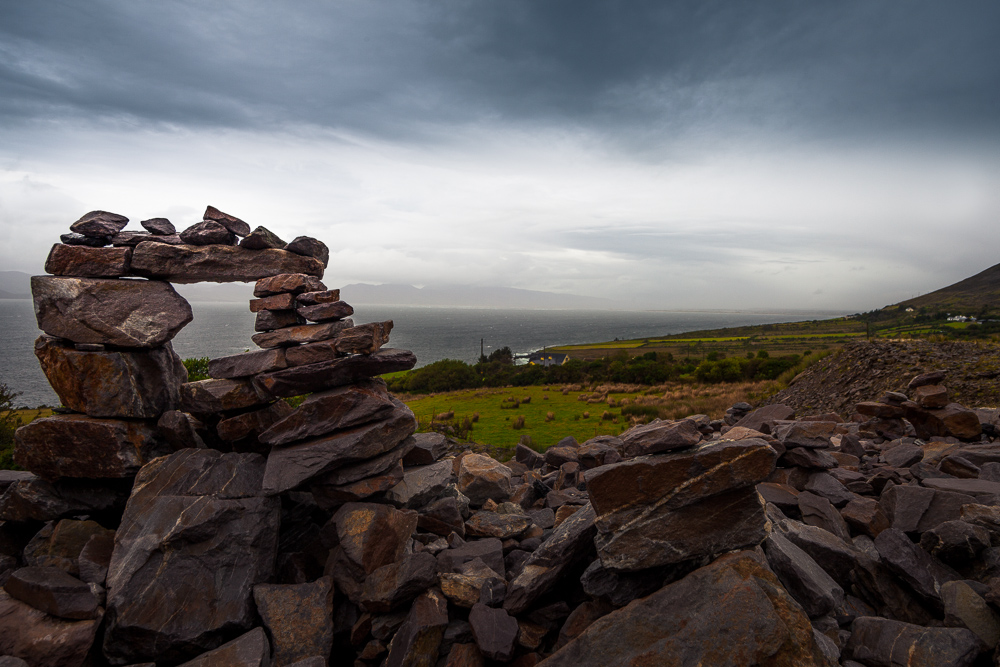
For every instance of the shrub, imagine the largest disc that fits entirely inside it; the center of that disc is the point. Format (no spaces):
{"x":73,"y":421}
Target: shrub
{"x":197,"y":368}
{"x":518,"y":423}
{"x":9,"y":422}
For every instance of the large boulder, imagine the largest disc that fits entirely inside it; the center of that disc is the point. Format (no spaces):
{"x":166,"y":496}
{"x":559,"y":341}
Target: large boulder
{"x":83,"y":262}
{"x":139,"y":384}
{"x":660,"y":436}
{"x":669,"y":508}
{"x":217,"y":263}
{"x":419,"y":637}
{"x":55,"y":592}
{"x":195,"y":538}
{"x":288,"y":467}
{"x":124,"y":313}
{"x":732,"y":612}
{"x":79,"y":446}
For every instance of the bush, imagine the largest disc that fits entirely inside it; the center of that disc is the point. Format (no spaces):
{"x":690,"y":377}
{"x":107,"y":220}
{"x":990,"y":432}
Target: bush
{"x":9,"y":422}
{"x":518,"y":423}
{"x":197,"y":368}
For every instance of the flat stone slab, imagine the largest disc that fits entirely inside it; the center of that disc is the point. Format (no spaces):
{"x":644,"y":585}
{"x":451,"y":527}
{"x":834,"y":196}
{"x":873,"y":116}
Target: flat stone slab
{"x":81,"y":261}
{"x":124,"y":313}
{"x":218,"y":263}
{"x":304,"y":333}
{"x":334,"y":373}
{"x":247,"y":364}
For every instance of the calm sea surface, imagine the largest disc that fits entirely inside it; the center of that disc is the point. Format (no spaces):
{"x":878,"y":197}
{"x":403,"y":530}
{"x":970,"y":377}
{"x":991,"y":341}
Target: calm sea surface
{"x":221,"y":329}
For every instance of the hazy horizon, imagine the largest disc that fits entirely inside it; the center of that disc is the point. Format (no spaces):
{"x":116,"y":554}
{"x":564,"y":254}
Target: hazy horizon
{"x":691,"y":155}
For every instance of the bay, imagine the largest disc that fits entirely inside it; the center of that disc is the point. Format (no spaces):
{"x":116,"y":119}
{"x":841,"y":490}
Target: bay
{"x":224,"y":328}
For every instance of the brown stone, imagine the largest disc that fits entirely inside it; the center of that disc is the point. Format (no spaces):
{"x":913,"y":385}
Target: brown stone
{"x":481,"y":478}
{"x":812,"y":434}
{"x":315,"y":298}
{"x":301,"y":334}
{"x":362,"y":339}
{"x":326,"y":375}
{"x":495,"y":632}
{"x":865,"y":516}
{"x":731,"y":612}
{"x":35,"y":499}
{"x":419,"y":637}
{"x":880,"y":410}
{"x":915,"y":509}
{"x":325,"y":312}
{"x":261,"y":238}
{"x":332,"y":496}
{"x":930,"y":396}
{"x":290,"y":283}
{"x":84,"y":262}
{"x":217,"y":263}
{"x":660,"y":436}
{"x":99,"y":223}
{"x":310,"y":247}
{"x":501,"y":526}
{"x":880,"y":641}
{"x":139,"y":384}
{"x":464,"y":655}
{"x":40,"y":639}
{"x":247,"y":364}
{"x":395,"y":584}
{"x":252,"y":424}
{"x":79,"y":446}
{"x":124,"y":313}
{"x":270,"y":320}
{"x":298,"y":618}
{"x":209,"y":396}
{"x":288,"y":467}
{"x":249,"y":650}
{"x":284,"y":301}
{"x":159,"y":226}
{"x":763,"y":418}
{"x":933,"y":377}
{"x":207,"y":232}
{"x":230,"y":222}
{"x":62,"y":544}
{"x":53,"y":591}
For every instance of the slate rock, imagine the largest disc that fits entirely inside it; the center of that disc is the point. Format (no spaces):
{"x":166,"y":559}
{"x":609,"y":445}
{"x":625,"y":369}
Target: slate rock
{"x":646,"y":507}
{"x":981,"y":489}
{"x":818,"y":511}
{"x":959,"y":466}
{"x":84,"y":262}
{"x":124,"y":313}
{"x":315,"y":298}
{"x":53,"y":591}
{"x":331,"y":496}
{"x":811,"y":434}
{"x":89,"y":241}
{"x":159,"y":226}
{"x":930,"y":396}
{"x":802,"y":577}
{"x":528,"y":456}
{"x":211,"y":396}
{"x":207,"y":232}
{"x":271,"y":320}
{"x":261,"y":238}
{"x":495,"y":632}
{"x":325,"y":312}
{"x":397,"y":583}
{"x":419,"y":637}
{"x":334,"y":373}
{"x":247,"y":364}
{"x":181,"y":430}
{"x":139,"y":384}
{"x":310,"y":247}
{"x":502,"y":526}
{"x":303,"y":334}
{"x":290,"y":466}
{"x":61,"y":545}
{"x":427,"y":448}
{"x":865,"y":516}
{"x":762,"y":418}
{"x":421,"y":485}
{"x":804,"y":457}
{"x":903,"y":456}
{"x":924,"y":379}
{"x":230,"y":222}
{"x":40,"y":639}
{"x":283,"y":301}
{"x":620,"y":588}
{"x":95,"y":558}
{"x":35,"y":499}
{"x":132,"y":239}
{"x":481,"y":478}
{"x":827,"y":487}
{"x":490,"y":551}
{"x":360,"y":470}
{"x":361,"y":339}
{"x":731,"y":612}
{"x":327,"y":411}
{"x":442,"y":517}
{"x":964,"y":608}
{"x":288,"y":283}
{"x":79,"y":446}
{"x":217,"y":263}
{"x":249,"y":650}
{"x":660,"y":436}
{"x":880,"y":642}
{"x":917,"y":509}
{"x":249,"y":425}
{"x":298,"y":618}
{"x":955,"y":543}
{"x":99,"y":223}
{"x":913,"y":565}
{"x":204,"y":509}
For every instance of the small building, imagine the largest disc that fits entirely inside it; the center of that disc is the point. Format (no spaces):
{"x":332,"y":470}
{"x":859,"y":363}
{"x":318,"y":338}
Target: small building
{"x":544,"y":358}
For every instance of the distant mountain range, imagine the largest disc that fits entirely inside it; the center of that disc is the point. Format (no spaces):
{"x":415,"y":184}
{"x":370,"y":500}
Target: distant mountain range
{"x":964,"y":297}
{"x":17,"y":285}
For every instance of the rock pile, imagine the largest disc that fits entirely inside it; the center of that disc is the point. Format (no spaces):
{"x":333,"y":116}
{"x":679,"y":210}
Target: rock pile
{"x":212,"y":523}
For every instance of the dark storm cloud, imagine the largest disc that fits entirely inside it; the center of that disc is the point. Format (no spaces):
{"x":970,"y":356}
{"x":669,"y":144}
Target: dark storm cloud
{"x":649,"y":72}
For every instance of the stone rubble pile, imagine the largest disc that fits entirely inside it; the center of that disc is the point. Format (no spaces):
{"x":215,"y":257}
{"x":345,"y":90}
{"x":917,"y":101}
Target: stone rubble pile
{"x":212,"y":523}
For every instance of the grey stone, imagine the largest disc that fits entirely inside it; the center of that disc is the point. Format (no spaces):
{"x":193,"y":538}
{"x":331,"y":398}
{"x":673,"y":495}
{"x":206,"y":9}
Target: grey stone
{"x":217,"y":263}
{"x":207,"y":232}
{"x":53,"y":591}
{"x":230,"y":222}
{"x":806,"y":581}
{"x":880,"y":642}
{"x":260,"y":239}
{"x":159,"y":226}
{"x":99,"y":223}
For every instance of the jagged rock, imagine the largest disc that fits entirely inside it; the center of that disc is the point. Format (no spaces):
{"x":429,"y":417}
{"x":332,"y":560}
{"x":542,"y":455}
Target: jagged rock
{"x":99,"y":223}
{"x":181,"y":430}
{"x":804,"y":457}
{"x":95,"y":558}
{"x":53,"y":591}
{"x":124,"y":313}
{"x":247,"y":364}
{"x":230,"y":222}
{"x":731,"y":612}
{"x":326,"y":411}
{"x":442,"y":517}
{"x":202,"y":508}
{"x":314,"y":298}
{"x":300,"y":335}
{"x":395,"y":584}
{"x":310,"y":247}
{"x":953,"y":420}
{"x":465,"y":655}
{"x":217,"y":263}
{"x":620,"y":588}
{"x":419,"y":637}
{"x":811,"y":434}
{"x":89,"y":241}
{"x":11,"y":661}
{"x":913,"y":565}
{"x":135,"y":385}
{"x":481,"y":478}
{"x":159,"y":226}
{"x":362,"y":339}
{"x":495,"y":632}
{"x":529,"y":457}
{"x":132,"y":239}
{"x":249,"y":650}
{"x":211,"y":396}
{"x":664,"y":509}
{"x":288,"y":283}
{"x":824,"y":485}
{"x":865,"y":516}
{"x":79,"y":446}
{"x":427,"y":448}
{"x":964,"y":608}
{"x":467,"y":587}
{"x":35,"y":499}
{"x":252,"y":424}
{"x":880,"y":642}
{"x":40,"y":639}
{"x":959,"y":466}
{"x":837,"y":557}
{"x":332,"y":496}
{"x":879,"y":410}
{"x":270,"y":320}
{"x":955,"y":543}
{"x":502,"y":526}
{"x":62,"y":544}
{"x":325,"y":312}
{"x":903,"y":456}
{"x":930,"y":396}
{"x":368,"y":467}
{"x":817,"y":511}
{"x":288,"y":467}
{"x":326,"y":375}
{"x":660,"y":436}
{"x":84,"y":262}
{"x":489,"y":550}
{"x":914,"y":509}
{"x":805,"y":581}
{"x":983,"y":490}
{"x":924,"y":379}
{"x":207,"y":232}
{"x":762,"y":418}
{"x":421,"y":485}
{"x":565,"y":547}
{"x":298,"y":618}
{"x":261,"y":238}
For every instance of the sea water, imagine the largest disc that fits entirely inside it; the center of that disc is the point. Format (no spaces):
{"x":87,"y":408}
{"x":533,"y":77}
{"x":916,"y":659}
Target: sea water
{"x":224,"y":328}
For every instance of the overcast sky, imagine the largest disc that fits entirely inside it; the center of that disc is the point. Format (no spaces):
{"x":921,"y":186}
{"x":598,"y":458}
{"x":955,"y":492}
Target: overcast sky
{"x":839,"y":155}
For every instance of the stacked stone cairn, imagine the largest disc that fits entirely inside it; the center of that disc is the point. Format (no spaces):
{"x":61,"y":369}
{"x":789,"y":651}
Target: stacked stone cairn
{"x":210,"y":523}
